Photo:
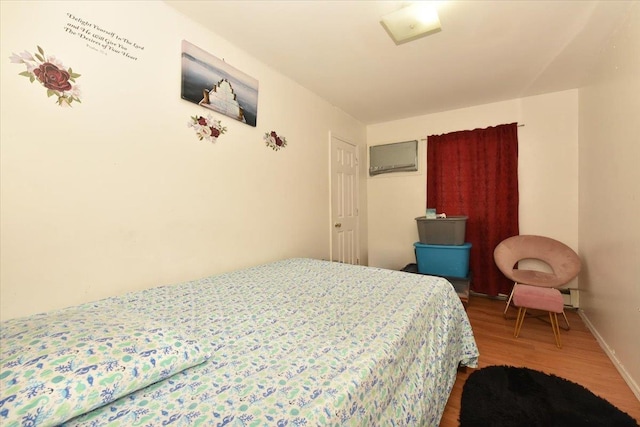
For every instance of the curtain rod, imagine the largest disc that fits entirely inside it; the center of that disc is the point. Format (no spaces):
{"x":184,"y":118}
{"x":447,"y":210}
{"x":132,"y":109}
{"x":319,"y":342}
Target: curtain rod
{"x":519,"y":126}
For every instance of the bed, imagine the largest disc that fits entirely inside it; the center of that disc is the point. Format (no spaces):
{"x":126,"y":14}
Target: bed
{"x":297,"y":342}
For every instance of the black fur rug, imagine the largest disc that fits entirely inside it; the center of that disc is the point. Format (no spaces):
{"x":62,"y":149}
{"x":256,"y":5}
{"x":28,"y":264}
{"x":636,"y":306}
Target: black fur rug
{"x":505,"y":396}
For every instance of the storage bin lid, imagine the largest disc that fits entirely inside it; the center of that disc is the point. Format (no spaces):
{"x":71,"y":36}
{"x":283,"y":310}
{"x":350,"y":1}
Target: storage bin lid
{"x":449,"y":218}
{"x":465,"y":245}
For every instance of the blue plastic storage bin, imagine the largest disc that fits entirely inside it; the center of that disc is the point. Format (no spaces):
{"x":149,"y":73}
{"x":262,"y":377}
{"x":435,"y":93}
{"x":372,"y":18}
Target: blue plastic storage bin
{"x":443,"y":260}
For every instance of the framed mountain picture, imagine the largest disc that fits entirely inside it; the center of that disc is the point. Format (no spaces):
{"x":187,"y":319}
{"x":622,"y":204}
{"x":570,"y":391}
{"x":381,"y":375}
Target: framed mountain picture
{"x":212,"y":83}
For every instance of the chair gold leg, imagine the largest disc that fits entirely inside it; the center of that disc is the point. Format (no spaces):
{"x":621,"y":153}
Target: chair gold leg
{"x":566,"y":320}
{"x":509,"y":300}
{"x":553,"y":317}
{"x":519,"y":320}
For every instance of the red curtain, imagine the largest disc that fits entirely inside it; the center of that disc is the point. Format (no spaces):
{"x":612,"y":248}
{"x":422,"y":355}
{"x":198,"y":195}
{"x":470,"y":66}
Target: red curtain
{"x":475,"y":173}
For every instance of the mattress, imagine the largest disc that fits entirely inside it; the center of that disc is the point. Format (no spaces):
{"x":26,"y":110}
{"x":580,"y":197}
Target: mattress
{"x":297,"y":342}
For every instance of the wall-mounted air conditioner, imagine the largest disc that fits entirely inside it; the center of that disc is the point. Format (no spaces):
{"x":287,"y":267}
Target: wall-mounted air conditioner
{"x":396,"y":157}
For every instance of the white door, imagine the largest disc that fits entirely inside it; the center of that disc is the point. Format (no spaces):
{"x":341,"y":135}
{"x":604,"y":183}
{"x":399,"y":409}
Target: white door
{"x":344,"y":202}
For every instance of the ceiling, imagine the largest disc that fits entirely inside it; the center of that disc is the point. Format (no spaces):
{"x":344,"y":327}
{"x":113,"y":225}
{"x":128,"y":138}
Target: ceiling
{"x":487,"y":51}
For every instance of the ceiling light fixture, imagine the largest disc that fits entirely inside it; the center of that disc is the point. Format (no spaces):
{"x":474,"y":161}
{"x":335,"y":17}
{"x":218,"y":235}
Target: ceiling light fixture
{"x":412,"y":22}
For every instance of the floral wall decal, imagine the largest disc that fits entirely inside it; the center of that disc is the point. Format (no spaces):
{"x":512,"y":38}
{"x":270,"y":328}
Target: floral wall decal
{"x":207,"y":128}
{"x":50,"y":73}
{"x":274,"y":141}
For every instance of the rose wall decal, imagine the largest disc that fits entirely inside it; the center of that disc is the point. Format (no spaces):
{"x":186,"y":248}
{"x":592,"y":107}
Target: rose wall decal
{"x":50,"y":73}
{"x":207,"y":127}
{"x":274,"y":141}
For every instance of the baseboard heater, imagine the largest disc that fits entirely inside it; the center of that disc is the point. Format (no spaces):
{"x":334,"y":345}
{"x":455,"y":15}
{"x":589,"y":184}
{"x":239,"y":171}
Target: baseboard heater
{"x":570,"y":297}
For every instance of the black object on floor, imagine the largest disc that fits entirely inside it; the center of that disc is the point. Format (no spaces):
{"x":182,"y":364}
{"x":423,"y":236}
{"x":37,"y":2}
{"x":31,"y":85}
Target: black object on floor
{"x":410,"y":268}
{"x":505,"y":396}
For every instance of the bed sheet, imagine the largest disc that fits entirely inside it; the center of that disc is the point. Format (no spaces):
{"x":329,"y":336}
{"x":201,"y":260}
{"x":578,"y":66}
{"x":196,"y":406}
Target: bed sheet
{"x":303,"y":342}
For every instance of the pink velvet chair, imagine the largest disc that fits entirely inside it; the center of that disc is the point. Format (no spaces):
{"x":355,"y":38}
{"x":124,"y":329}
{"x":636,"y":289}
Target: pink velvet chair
{"x":563,"y":262}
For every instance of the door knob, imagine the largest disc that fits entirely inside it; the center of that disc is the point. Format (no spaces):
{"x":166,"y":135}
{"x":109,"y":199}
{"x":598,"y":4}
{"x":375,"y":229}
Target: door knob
{"x":337,"y":225}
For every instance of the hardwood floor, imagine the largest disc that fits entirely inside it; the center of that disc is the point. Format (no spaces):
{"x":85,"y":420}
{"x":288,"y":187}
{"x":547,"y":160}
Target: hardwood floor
{"x":580,"y":360}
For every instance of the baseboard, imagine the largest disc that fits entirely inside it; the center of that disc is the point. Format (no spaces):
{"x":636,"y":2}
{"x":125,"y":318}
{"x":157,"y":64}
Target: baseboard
{"x":499,"y":296}
{"x":611,"y":354}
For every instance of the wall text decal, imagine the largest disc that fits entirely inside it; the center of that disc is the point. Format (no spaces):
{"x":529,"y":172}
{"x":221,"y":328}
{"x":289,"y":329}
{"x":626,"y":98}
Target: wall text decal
{"x":101,"y":39}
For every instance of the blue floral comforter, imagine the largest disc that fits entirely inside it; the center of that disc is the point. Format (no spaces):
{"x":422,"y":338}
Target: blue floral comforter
{"x":298,"y":342}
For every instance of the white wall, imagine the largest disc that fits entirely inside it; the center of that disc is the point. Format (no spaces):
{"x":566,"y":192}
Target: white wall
{"x":117,"y":194}
{"x":610,"y":199}
{"x":547,"y":167}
